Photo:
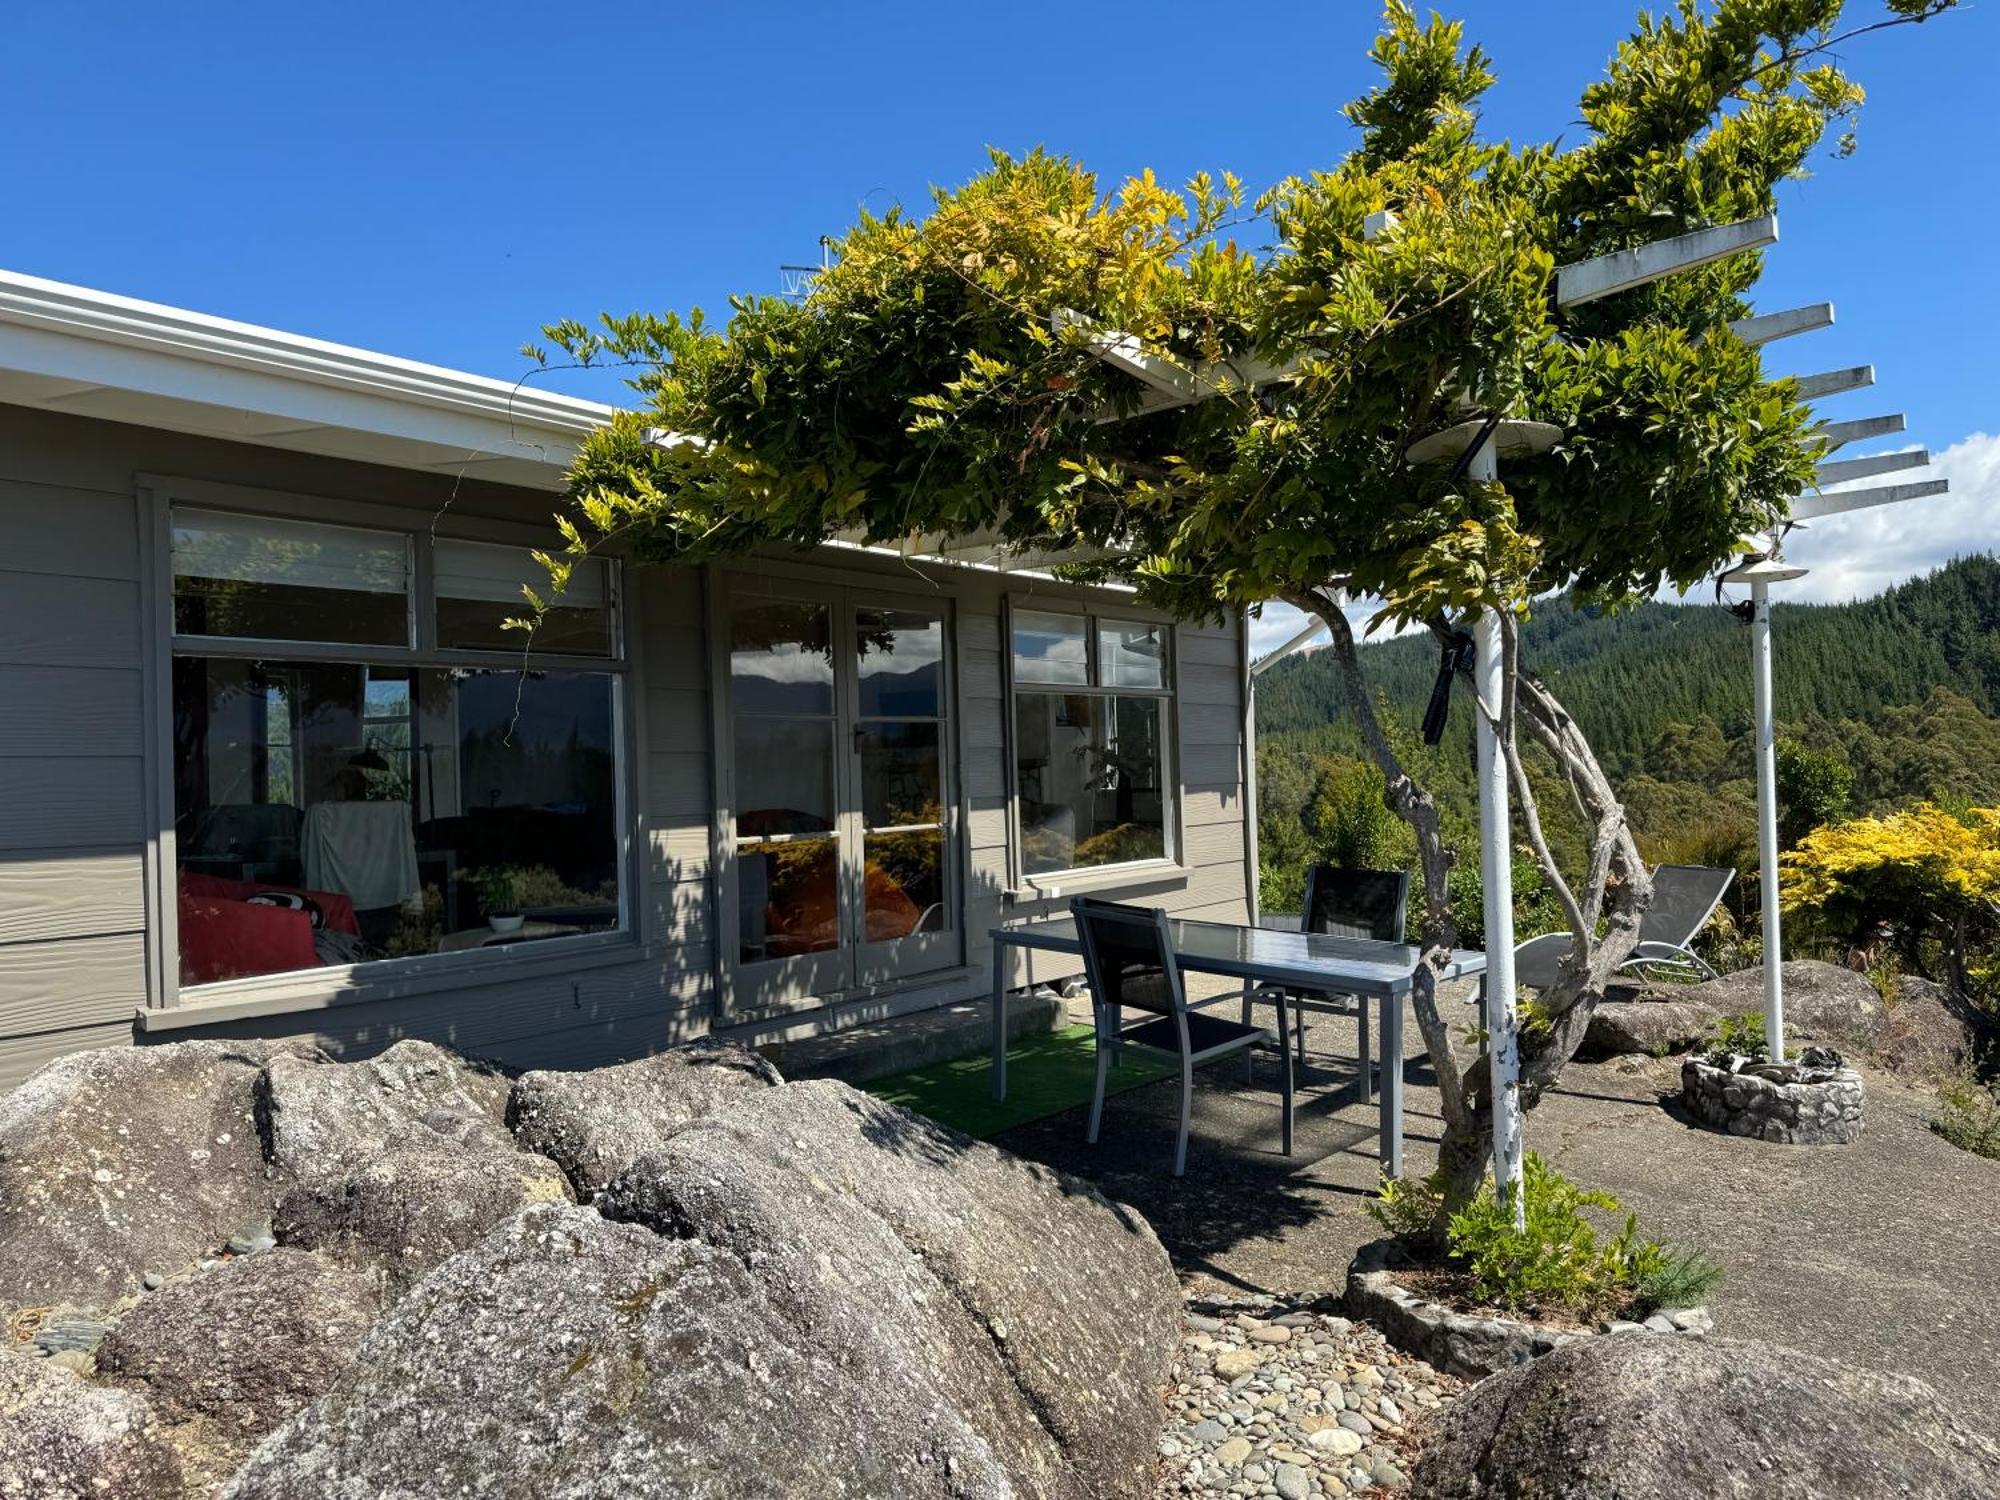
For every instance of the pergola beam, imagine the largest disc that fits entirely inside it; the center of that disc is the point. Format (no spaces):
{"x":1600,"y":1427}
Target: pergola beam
{"x":1620,"y":271}
{"x":1839,"y":434}
{"x":1840,"y":502}
{"x":1270,"y":659}
{"x":1834,"y":382}
{"x":1841,"y":470}
{"x":1167,"y":383}
{"x":984,"y":549}
{"x":1125,"y":351}
{"x":1766,"y":328}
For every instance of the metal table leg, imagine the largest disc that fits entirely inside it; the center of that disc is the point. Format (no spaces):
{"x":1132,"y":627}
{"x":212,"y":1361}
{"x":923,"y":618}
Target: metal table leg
{"x":1391,"y":1031}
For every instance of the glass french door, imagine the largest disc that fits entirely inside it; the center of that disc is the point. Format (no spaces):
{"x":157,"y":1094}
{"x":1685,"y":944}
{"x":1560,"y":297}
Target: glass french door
{"x":840,"y":865}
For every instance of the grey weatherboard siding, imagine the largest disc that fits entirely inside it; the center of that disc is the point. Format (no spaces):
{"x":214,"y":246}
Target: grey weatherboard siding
{"x":75,"y":811}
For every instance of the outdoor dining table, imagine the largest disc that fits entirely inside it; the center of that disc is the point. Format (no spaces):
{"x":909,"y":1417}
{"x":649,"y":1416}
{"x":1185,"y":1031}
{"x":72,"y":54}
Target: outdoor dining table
{"x":1375,"y":973}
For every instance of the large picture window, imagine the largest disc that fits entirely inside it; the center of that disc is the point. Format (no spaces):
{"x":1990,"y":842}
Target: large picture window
{"x":1091,"y":722}
{"x":336,"y":808}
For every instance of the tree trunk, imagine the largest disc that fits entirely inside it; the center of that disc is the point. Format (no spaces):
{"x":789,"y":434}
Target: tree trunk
{"x":1468,"y":1124}
{"x":1613,"y":896}
{"x":1464,"y":1159}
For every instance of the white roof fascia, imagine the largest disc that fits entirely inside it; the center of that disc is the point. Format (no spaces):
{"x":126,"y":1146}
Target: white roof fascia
{"x":69,"y":348}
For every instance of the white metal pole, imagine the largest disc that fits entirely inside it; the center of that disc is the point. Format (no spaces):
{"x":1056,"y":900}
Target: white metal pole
{"x":1767,"y":818}
{"x":1252,"y":854}
{"x":1497,"y":883}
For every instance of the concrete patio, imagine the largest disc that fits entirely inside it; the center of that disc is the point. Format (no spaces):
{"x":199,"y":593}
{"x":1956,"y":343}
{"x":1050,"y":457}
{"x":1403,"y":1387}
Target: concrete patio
{"x":1880,"y":1254}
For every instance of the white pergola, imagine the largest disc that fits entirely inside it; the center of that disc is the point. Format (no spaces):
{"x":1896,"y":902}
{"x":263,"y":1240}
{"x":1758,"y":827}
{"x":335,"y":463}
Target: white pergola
{"x":1764,"y":564}
{"x":1476,"y":446}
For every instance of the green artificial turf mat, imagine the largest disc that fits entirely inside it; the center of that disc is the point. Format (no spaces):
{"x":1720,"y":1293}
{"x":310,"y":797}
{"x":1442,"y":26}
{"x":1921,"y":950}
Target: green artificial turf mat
{"x":1045,"y":1076}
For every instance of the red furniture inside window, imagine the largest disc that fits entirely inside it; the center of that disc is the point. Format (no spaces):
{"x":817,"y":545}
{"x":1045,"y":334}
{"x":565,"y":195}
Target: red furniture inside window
{"x":223,"y":935}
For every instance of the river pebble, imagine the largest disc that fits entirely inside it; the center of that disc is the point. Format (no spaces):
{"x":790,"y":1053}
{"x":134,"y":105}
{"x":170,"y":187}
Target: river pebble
{"x":1289,"y":1398}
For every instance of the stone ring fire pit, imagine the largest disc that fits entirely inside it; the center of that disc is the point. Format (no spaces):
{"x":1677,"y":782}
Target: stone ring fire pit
{"x":1814,"y":1100}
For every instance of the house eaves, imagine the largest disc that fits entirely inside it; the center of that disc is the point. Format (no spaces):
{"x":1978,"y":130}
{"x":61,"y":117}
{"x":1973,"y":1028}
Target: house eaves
{"x":88,"y":353}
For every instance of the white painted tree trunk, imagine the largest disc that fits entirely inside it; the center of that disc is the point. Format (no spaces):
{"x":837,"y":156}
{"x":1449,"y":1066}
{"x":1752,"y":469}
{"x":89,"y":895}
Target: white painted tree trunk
{"x":1496,"y":870}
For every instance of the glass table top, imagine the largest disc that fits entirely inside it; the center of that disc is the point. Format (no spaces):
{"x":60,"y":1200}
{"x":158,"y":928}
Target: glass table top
{"x":1309,"y":959}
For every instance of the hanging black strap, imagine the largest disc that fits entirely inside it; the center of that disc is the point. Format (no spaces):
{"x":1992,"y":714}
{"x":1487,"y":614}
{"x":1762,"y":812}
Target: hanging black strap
{"x":1454,"y":657}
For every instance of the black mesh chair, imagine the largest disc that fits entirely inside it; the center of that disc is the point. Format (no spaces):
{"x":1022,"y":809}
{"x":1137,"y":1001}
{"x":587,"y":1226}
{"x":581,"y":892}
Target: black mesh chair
{"x":1371,"y":904}
{"x":1128,"y":956}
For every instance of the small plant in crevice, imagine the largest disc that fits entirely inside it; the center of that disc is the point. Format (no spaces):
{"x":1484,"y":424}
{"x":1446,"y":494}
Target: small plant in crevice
{"x":1674,"y":1278}
{"x":1741,"y":1035}
{"x":1969,"y":1116}
{"x":1410,"y":1208}
{"x":1882,"y":974}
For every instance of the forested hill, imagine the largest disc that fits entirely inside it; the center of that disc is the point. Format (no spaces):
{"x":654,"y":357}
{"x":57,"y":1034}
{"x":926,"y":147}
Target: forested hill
{"x":1631,"y":678}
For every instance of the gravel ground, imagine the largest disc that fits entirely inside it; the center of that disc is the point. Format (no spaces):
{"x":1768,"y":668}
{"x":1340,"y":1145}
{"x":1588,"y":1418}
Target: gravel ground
{"x":1286,"y":1398}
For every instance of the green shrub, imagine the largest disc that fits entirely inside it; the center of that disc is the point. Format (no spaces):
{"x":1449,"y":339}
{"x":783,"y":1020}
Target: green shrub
{"x":1728,"y":945}
{"x":1969,"y":1117}
{"x":1743,"y":1035}
{"x":1410,"y":1208}
{"x":1563,"y":1261}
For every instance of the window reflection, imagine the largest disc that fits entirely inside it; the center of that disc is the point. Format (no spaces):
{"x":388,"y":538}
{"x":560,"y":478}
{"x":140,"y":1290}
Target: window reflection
{"x":1090,"y":778}
{"x":261,"y":578}
{"x":781,"y":657}
{"x":336,"y":813}
{"x":900,"y":663}
{"x":788,"y":898}
{"x":1050,"y":647}
{"x":784,"y":776}
{"x":1130,"y":654}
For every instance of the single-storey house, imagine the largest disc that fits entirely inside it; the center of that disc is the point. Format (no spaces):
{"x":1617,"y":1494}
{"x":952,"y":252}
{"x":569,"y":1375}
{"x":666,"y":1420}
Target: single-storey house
{"x":270,"y":765}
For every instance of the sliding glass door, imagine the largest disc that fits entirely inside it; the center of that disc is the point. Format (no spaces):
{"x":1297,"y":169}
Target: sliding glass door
{"x":840,"y":868}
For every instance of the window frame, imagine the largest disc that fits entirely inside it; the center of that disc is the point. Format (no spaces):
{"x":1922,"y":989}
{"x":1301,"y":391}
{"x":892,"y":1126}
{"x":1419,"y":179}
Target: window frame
{"x":1042,"y":884}
{"x":386,"y":978}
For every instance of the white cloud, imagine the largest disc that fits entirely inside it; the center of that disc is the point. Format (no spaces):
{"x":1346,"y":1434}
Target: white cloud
{"x":1858,"y":555}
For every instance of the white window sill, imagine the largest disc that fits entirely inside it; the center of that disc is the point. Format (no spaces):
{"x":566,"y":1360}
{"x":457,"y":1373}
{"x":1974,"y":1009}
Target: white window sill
{"x":1061,"y":886}
{"x":391,"y":979}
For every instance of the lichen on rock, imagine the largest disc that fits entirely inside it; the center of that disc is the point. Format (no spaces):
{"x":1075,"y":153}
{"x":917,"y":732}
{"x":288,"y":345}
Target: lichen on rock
{"x":595,"y":1124}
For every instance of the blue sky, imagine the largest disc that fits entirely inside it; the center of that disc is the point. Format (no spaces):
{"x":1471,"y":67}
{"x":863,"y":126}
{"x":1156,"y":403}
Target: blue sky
{"x":438,"y":180}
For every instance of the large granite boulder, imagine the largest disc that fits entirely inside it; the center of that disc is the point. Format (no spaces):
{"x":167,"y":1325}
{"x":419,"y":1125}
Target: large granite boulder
{"x":1629,"y":1415}
{"x":1020,"y":1295}
{"x":1653,"y":1026}
{"x":571,"y":1358}
{"x":324,"y":1118}
{"x":1931,"y":1034}
{"x":247,"y":1343}
{"x":127,"y":1160}
{"x":1823,"y":1002}
{"x":596,"y":1124}
{"x":782,"y":1290}
{"x":62,"y":1438}
{"x":408,"y":1210}
{"x":807,"y":1293}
